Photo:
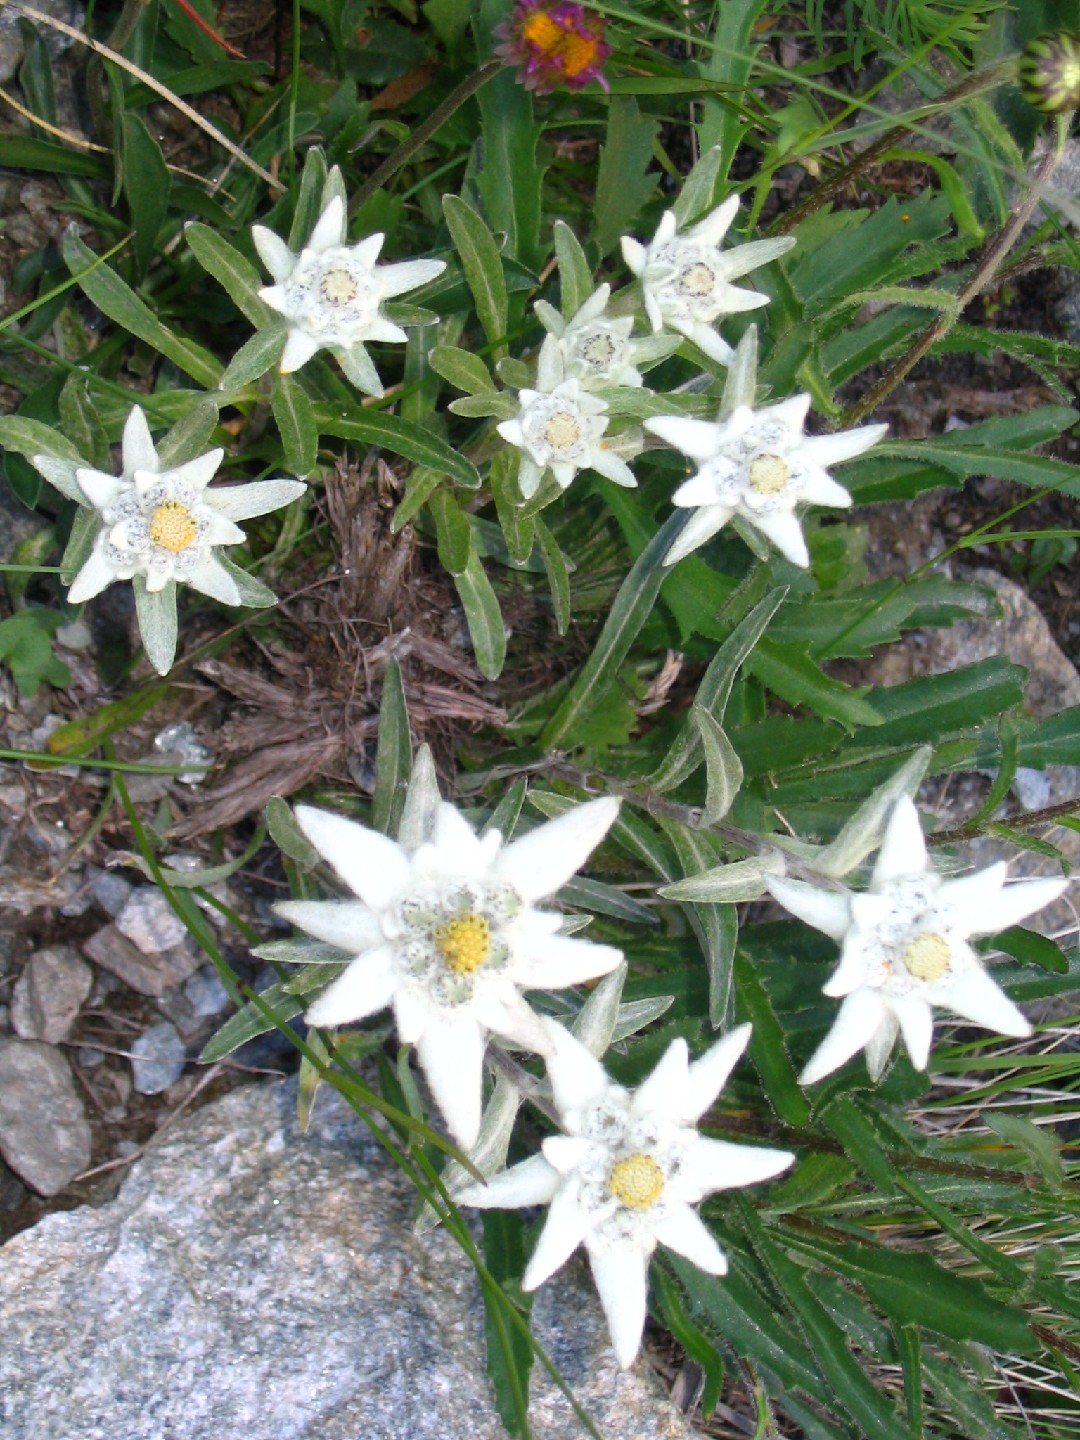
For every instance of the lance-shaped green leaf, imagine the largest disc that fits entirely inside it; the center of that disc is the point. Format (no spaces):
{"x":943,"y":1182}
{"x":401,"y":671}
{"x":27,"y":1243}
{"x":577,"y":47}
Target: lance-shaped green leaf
{"x":255,"y":356}
{"x":190,"y":435}
{"x":32,"y":437}
{"x":464,"y":370}
{"x":452,"y":532}
{"x":156,"y":612}
{"x":483,"y":617}
{"x":697,"y":193}
{"x":575,"y":274}
{"x":287,"y":835}
{"x":715,"y":691}
{"x":393,"y":753}
{"x":146,"y":183}
{"x":81,"y":421}
{"x":482,"y":264}
{"x":400,"y":437}
{"x":716,"y":926}
{"x":728,"y":884}
{"x":558,"y":575}
{"x":285,"y":1000}
{"x":233,"y":272}
{"x":104,"y":288}
{"x":421,"y":801}
{"x":296,"y":424}
{"x":723,"y":768}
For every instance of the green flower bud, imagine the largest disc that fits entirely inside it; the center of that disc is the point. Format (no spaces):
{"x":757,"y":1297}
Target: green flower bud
{"x":1049,"y":72}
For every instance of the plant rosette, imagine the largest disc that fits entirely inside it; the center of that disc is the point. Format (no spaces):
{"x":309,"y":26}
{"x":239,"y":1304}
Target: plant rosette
{"x":598,"y":349}
{"x":758,"y":465}
{"x":160,"y":527}
{"x":686,"y":279}
{"x":627,"y":1172}
{"x":904,"y":948}
{"x":449,"y":934}
{"x":560,"y":427}
{"x":331,"y":294}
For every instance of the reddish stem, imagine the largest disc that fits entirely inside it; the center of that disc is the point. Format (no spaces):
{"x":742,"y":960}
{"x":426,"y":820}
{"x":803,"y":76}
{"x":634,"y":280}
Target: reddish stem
{"x":193,"y":14}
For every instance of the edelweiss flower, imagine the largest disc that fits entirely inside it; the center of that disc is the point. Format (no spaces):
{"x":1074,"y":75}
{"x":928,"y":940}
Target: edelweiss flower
{"x":686,"y":279}
{"x":159,"y":526}
{"x":331,"y":294}
{"x":905,"y":948}
{"x":758,"y":464}
{"x":559,"y":427}
{"x":554,"y":45}
{"x":449,"y":935}
{"x":627,"y":1173}
{"x":597,"y":349}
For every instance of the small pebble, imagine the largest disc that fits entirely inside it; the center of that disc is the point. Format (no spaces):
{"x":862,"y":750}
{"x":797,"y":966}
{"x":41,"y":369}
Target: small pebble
{"x":149,"y":921}
{"x":205,"y":992}
{"x":158,"y":1058}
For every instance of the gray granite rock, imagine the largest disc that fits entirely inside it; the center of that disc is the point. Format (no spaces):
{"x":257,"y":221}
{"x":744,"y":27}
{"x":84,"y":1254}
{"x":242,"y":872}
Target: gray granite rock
{"x":252,"y":1281}
{"x":158,"y":1058}
{"x":150,"y":922}
{"x":149,"y":974}
{"x":12,"y":46}
{"x":44,"y":1134}
{"x":49,"y":994}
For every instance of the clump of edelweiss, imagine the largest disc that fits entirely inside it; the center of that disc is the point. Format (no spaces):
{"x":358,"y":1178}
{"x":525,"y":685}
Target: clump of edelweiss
{"x":904,"y":948}
{"x":560,"y":427}
{"x":449,"y":932}
{"x":758,"y":465}
{"x":163,"y":526}
{"x":686,"y":279}
{"x":627,"y":1173}
{"x":331,"y":293}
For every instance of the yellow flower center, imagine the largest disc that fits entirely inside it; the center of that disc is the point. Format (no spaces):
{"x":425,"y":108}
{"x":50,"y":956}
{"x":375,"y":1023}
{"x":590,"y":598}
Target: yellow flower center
{"x":636,"y":1182}
{"x":769,"y":474}
{"x":571,"y":52}
{"x":173,"y":527}
{"x":464,"y":944}
{"x":338,"y":287}
{"x":562,"y":431}
{"x":697,"y":279}
{"x":928,"y":957}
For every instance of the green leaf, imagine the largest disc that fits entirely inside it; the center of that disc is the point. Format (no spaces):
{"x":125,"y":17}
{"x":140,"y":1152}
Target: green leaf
{"x":518,"y":528}
{"x":156,"y":613}
{"x":483,"y":617}
{"x":508,"y":174}
{"x":308,"y":200}
{"x":283,"y":1000}
{"x":147,"y":183}
{"x":464,"y":370}
{"x":1030,"y":948}
{"x":717,"y":926}
{"x":482,"y":264}
{"x":104,"y":288}
{"x":630,"y":610}
{"x":675,"y":1317}
{"x":557,"y":575}
{"x":82,"y":423}
{"x":697,"y":194}
{"x":27,"y":437}
{"x":575,"y":273}
{"x":452,"y":531}
{"x":861,"y":1143}
{"x":255,"y":356}
{"x":287,"y":835}
{"x":393,"y":754}
{"x":723,"y":768}
{"x":190,"y":436}
{"x":790,"y":673}
{"x":509,"y":1353}
{"x":236,"y":275}
{"x":295,"y":419}
{"x":373,"y":427}
{"x":1036,"y":1143}
{"x":23,"y":152}
{"x":624,"y":183}
{"x":767,"y":1048}
{"x":26,"y":649}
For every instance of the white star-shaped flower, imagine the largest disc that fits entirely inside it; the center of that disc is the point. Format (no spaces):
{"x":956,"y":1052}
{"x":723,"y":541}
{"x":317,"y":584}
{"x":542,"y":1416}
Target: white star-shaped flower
{"x":160,"y":526}
{"x":599,"y":349}
{"x":904,"y":948}
{"x":686,"y":279}
{"x":758,"y":464}
{"x":449,"y":934}
{"x":331,"y":293}
{"x":559,"y":428}
{"x":627,"y":1173}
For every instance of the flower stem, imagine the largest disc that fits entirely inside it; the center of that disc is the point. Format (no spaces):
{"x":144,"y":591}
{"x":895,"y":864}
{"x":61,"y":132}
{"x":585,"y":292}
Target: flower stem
{"x":980,"y":278}
{"x":423,"y":133}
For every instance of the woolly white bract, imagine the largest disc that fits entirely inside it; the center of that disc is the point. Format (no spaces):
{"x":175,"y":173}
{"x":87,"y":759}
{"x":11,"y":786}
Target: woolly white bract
{"x":559,"y":428}
{"x":904,"y":948}
{"x":599,"y":349}
{"x":449,"y":934}
{"x":331,"y":294}
{"x":686,"y":279}
{"x":758,"y":464}
{"x":164,"y":525}
{"x":627,"y":1173}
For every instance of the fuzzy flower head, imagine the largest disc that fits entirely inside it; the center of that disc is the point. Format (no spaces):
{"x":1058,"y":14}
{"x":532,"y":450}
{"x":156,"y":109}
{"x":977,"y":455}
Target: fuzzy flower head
{"x":449,"y":933}
{"x":627,"y":1173}
{"x":904,"y":948}
{"x":331,"y":294}
{"x":560,"y":428}
{"x":760,"y":465}
{"x":160,"y":526}
{"x":553,"y":45}
{"x":598,"y":349}
{"x":686,"y":279}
